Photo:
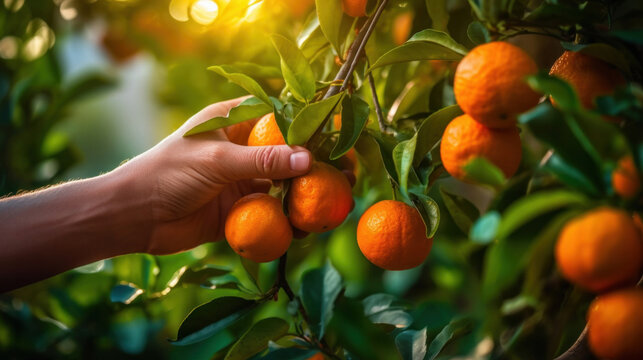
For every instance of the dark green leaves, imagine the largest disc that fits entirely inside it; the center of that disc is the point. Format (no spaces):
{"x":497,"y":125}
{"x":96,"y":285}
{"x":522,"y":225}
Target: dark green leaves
{"x":562,"y":92}
{"x":477,"y":33}
{"x":244,"y":81}
{"x":438,"y":13}
{"x":124,"y":293}
{"x":319,"y":289}
{"x":425,"y":45}
{"x":250,"y":108}
{"x":380,"y":309}
{"x":461,"y":210}
{"x":403,"y":159}
{"x":452,"y":331}
{"x":412,"y":344}
{"x":295,"y":69}
{"x":310,"y":118}
{"x":211,"y":318}
{"x":355,"y":113}
{"x":257,"y":337}
{"x":431,"y":130}
{"x":429,"y":210}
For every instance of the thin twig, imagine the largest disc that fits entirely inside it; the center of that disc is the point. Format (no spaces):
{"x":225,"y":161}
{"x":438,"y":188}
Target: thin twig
{"x":376,"y":102}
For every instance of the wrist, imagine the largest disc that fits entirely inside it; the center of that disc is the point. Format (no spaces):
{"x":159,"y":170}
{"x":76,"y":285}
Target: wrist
{"x":129,"y":208}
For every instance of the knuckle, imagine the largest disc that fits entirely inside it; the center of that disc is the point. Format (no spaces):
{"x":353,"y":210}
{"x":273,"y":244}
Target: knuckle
{"x":266,"y":160}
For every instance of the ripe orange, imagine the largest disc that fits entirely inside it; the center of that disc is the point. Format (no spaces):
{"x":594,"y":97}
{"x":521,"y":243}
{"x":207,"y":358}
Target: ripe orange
{"x":266,"y":132}
{"x":354,"y":8}
{"x":490,"y":85}
{"x":402,"y":25}
{"x":317,"y":356}
{"x":465,"y":139}
{"x":600,"y":249}
{"x":257,"y":229}
{"x":625,"y":178}
{"x":298,"y":8}
{"x":238,"y":133}
{"x":320,"y":200}
{"x":589,"y":76}
{"x":615,"y":325}
{"x":391,"y":235}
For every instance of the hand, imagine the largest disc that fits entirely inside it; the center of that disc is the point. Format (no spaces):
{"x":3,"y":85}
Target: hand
{"x":192,"y":182}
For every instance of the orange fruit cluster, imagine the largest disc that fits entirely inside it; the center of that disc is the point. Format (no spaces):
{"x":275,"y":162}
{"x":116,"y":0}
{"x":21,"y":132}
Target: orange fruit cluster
{"x":589,"y":76}
{"x":602,"y":251}
{"x":626,"y":180}
{"x":490,"y":87}
{"x":257,"y":228}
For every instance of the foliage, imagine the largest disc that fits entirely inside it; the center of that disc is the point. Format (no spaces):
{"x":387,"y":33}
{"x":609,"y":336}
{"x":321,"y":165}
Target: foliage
{"x":490,"y":288}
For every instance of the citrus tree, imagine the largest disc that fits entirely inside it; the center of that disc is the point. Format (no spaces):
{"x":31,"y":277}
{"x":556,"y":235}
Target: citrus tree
{"x":467,"y":198}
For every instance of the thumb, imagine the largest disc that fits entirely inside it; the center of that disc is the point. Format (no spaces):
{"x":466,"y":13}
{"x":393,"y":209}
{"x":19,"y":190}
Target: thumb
{"x":265,"y":162}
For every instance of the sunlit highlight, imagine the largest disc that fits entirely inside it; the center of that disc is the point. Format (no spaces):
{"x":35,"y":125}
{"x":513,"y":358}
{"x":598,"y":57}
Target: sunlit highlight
{"x":204,"y":12}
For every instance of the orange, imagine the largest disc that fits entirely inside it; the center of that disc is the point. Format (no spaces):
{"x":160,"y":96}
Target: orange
{"x":615,"y":325}
{"x":600,"y":249}
{"x":590,"y":77}
{"x":625,"y":178}
{"x":354,"y":8}
{"x":257,"y":229}
{"x":465,"y":139}
{"x":490,"y":85}
{"x":266,"y":132}
{"x":317,"y":356}
{"x":298,"y":8}
{"x":402,"y":25}
{"x":391,"y":234}
{"x":320,"y":200}
{"x":238,"y":133}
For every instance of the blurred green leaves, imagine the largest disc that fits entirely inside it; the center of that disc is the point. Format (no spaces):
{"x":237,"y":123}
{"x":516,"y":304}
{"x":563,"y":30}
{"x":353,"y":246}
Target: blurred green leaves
{"x":319,"y":290}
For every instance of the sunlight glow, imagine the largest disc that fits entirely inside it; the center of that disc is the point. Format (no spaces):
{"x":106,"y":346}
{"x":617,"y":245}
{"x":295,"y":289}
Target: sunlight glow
{"x":204,"y":12}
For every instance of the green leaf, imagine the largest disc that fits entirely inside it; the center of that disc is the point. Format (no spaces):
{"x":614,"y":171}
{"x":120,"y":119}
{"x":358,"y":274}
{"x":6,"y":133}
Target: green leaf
{"x":378,"y":308}
{"x":330,"y":16}
{"x":200,"y":276}
{"x":481,"y":171}
{"x":124,"y":293}
{"x":403,"y":159}
{"x":463,"y":212}
{"x":245,"y":82}
{"x":254,"y":70}
{"x":290,"y":354}
{"x":478,"y":33}
{"x":570,"y":175}
{"x":319,"y":290}
{"x":431,"y":130}
{"x":559,"y":89}
{"x":210,"y":318}
{"x":250,"y":108}
{"x":550,"y":126}
{"x":532,"y":206}
{"x":282,"y":120}
{"x":455,"y":329}
{"x":295,"y":68}
{"x":310,"y":118}
{"x":252,"y":270}
{"x":386,"y":144}
{"x":257,"y":337}
{"x":438,"y":13}
{"x":355,"y":113}
{"x":429,"y":210}
{"x":412,"y":344}
{"x":484,"y":230}
{"x":425,"y":45}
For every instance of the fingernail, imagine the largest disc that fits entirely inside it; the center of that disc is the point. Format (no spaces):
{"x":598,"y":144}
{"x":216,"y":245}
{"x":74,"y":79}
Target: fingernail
{"x":299,"y":161}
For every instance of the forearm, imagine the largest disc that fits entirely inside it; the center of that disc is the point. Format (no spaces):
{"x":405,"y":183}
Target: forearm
{"x":49,"y":231}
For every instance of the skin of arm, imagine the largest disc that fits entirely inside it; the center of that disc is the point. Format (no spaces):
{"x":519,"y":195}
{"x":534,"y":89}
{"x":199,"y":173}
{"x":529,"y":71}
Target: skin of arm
{"x":171,"y":198}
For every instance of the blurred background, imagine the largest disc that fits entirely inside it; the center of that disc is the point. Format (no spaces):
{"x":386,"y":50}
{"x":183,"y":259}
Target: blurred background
{"x":87,"y":84}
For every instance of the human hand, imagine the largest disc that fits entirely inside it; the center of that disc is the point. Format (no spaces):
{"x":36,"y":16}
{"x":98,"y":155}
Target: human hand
{"x":190,"y":183}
